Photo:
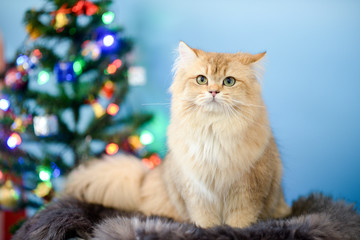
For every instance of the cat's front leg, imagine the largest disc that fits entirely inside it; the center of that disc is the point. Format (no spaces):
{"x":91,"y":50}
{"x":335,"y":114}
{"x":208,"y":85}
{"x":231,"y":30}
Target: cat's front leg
{"x":242,"y":207}
{"x":202,"y":212}
{"x":242,"y":217}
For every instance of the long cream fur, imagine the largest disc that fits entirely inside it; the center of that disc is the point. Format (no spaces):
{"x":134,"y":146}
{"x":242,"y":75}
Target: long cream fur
{"x":223,"y":166}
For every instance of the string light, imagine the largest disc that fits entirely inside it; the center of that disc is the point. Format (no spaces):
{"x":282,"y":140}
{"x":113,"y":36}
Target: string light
{"x":112,"y":148}
{"x":146,"y":137}
{"x":152,"y":161}
{"x":135,"y":142}
{"x":56,"y":173}
{"x":108,"y":17}
{"x":108,"y":40}
{"x":43,"y":189}
{"x":22,"y":61}
{"x":44,"y":175}
{"x":112,"y":109}
{"x":111,"y":69}
{"x":117,"y":63}
{"x":43,"y":77}
{"x":21,"y":160}
{"x":78,"y":66}
{"x":13,"y":141}
{"x":37,"y":53}
{"x":4,"y":104}
{"x":90,"y":50}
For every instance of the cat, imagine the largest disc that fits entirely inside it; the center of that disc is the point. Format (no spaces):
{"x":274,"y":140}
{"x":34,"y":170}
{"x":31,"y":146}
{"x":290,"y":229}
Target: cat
{"x":223,"y":165}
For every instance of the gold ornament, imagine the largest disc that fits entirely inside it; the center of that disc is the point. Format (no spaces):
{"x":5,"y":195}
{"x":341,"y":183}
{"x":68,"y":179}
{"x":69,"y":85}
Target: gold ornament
{"x":135,"y":142}
{"x":43,"y":189}
{"x":61,"y":20}
{"x":17,"y":125}
{"x":99,"y":111}
{"x":9,"y":196}
{"x":34,"y":33}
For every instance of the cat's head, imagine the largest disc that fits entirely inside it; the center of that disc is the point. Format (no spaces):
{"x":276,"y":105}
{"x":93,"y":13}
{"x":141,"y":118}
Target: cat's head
{"x":216,"y":82}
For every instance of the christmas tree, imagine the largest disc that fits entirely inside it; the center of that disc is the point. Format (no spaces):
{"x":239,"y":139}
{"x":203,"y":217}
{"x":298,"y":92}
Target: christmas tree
{"x":62,"y":100}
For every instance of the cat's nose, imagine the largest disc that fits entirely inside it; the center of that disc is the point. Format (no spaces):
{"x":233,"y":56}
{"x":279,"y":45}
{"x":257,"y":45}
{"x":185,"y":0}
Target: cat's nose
{"x":214,"y":93}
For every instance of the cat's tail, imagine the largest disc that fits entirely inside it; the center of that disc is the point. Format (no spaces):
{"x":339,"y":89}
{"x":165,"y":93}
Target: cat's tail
{"x":112,"y":181}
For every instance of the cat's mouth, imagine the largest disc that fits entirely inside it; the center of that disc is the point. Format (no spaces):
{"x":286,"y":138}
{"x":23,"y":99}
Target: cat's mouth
{"x":213,"y":103}
{"x":215,"y":99}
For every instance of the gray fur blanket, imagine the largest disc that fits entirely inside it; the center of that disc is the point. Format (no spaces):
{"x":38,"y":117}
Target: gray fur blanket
{"x":314,"y":217}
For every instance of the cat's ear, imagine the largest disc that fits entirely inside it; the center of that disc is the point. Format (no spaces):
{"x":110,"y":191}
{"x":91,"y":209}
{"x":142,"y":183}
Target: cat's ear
{"x":247,"y":59}
{"x":186,"y":53}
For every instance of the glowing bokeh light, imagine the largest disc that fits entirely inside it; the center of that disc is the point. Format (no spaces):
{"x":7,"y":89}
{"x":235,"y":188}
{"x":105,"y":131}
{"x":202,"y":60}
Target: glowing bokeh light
{"x":77,"y":66}
{"x":117,"y":63}
{"x":21,"y":60}
{"x":112,"y":148}
{"x":108,"y":17}
{"x":11,"y":142}
{"x":135,"y":142}
{"x":44,"y":175}
{"x":146,"y":137}
{"x":4,"y":104}
{"x":43,"y":77}
{"x":112,"y":109}
{"x":153,"y":161}
{"x":14,"y":140}
{"x":108,"y":40}
{"x":43,"y":189}
{"x":56,"y":173}
{"x":99,"y":111}
{"x":111,"y":69}
{"x":37,"y":53}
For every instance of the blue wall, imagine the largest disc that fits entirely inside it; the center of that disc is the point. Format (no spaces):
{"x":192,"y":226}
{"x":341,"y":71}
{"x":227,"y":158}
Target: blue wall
{"x":311,"y":86}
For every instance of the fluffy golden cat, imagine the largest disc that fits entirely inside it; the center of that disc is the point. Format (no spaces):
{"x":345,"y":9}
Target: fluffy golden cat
{"x":223,"y":166}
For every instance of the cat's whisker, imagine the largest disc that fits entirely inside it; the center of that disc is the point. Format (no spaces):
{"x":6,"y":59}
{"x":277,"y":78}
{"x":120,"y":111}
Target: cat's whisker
{"x":249,"y":119}
{"x":247,"y":104}
{"x":238,"y":113}
{"x":233,"y":112}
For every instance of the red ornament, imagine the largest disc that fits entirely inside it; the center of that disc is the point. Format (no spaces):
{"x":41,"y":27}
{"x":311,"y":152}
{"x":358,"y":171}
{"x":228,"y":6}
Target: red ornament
{"x":15,"y":79}
{"x":108,"y":89}
{"x":112,"y":109}
{"x":62,"y":9}
{"x":112,"y":148}
{"x":86,"y":7}
{"x":117,"y":63}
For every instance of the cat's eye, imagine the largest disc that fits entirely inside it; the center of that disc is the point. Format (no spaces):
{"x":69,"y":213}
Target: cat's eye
{"x":201,"y":80}
{"x":229,"y":81}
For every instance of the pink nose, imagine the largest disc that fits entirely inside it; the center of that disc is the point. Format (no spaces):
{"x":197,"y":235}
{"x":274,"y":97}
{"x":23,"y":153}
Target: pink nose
{"x":214,"y":93}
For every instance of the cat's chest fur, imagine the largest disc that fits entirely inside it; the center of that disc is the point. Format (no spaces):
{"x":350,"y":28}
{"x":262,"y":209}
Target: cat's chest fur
{"x":211,"y":154}
{"x":211,"y":144}
{"x":215,"y":152}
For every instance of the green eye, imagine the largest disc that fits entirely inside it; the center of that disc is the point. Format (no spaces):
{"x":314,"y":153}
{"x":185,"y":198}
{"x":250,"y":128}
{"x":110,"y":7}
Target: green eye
{"x":201,"y":80}
{"x":229,"y":81}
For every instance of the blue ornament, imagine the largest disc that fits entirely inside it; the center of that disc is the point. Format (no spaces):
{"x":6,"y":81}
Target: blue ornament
{"x":64,"y":72}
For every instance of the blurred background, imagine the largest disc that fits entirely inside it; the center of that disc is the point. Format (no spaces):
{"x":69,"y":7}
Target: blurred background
{"x":311,"y":85}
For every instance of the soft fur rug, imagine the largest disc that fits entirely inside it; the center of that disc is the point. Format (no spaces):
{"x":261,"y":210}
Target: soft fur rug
{"x":314,"y":217}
